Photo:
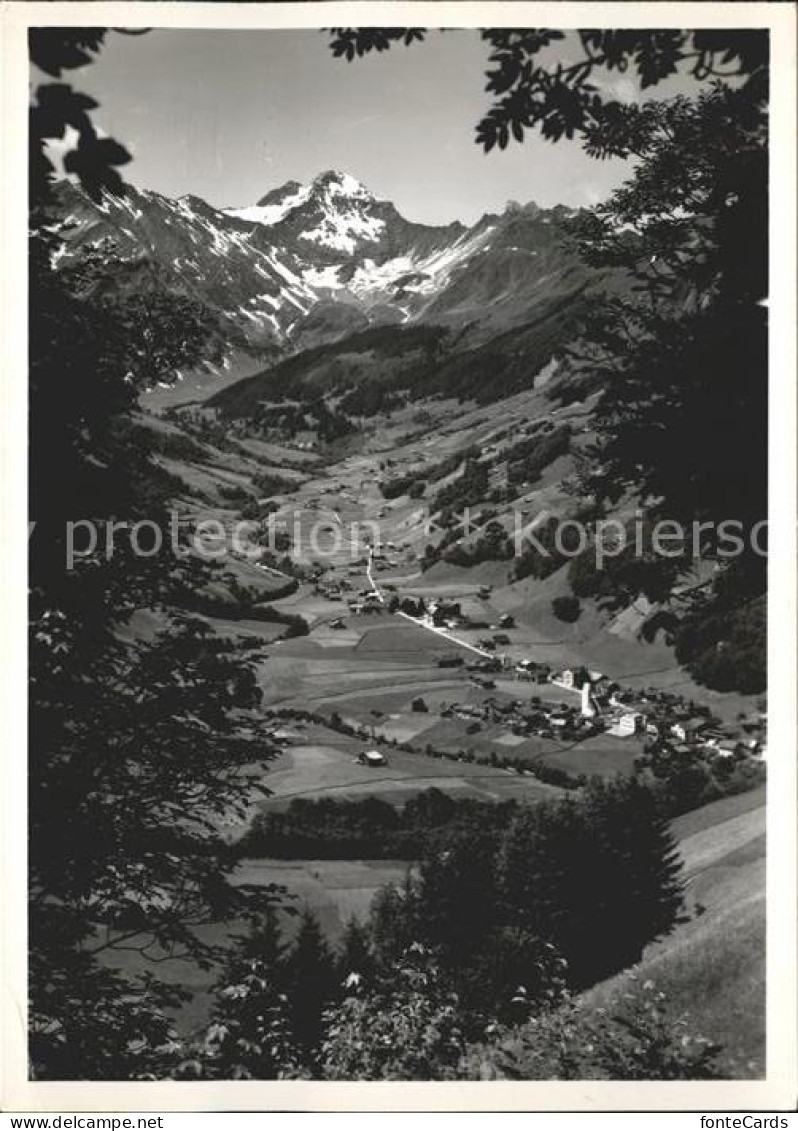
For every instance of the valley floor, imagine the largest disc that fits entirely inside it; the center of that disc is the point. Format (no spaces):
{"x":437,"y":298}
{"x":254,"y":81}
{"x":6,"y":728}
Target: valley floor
{"x":371,"y":669}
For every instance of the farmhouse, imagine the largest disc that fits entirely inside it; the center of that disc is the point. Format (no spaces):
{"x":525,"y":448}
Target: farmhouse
{"x":371,"y":758}
{"x":306,"y":439}
{"x":285,"y":734}
{"x":688,"y":730}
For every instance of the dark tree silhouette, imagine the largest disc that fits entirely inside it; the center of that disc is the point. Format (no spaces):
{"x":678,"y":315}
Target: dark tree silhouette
{"x":311,"y":983}
{"x":599,"y":878}
{"x":355,"y":956}
{"x":135,"y":748}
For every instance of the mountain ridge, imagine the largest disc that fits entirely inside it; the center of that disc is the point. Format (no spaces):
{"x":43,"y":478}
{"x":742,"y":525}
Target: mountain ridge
{"x":312,"y":263}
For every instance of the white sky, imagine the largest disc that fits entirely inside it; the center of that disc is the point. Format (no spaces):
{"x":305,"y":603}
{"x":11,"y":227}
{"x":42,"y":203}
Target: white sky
{"x":228,"y":115}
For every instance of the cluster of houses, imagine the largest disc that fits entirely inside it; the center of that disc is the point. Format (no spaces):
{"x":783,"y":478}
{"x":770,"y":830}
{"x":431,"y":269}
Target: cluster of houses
{"x":526,"y":719}
{"x":662,"y":718}
{"x":442,"y":613}
{"x":332,"y":590}
{"x":685,"y":731}
{"x":367,"y":601}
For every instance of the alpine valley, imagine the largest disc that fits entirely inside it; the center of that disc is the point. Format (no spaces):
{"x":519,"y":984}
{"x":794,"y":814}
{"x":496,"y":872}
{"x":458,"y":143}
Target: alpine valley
{"x":388,"y":408}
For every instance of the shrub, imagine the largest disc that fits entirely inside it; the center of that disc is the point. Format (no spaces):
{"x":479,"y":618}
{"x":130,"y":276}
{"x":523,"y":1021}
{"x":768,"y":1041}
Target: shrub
{"x":234,"y":493}
{"x":406,"y":1028}
{"x":633,"y":1038}
{"x":567,"y":609}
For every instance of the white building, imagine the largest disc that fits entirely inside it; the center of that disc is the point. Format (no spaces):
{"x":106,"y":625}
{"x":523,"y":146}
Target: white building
{"x":630,"y":723}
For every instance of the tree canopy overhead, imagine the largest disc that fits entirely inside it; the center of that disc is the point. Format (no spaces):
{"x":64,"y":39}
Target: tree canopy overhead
{"x":94,"y":159}
{"x":136,"y":746}
{"x":677,"y":350}
{"x":537,"y":87}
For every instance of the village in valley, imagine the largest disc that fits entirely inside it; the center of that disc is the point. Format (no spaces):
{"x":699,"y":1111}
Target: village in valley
{"x":566,"y":705}
{"x":463,"y":684}
{"x":405,"y":648}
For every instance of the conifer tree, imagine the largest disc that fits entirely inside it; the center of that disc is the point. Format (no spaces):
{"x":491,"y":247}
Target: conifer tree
{"x":599,"y":878}
{"x":392,"y":921}
{"x":266,"y":943}
{"x":355,"y":956}
{"x":250,"y":1035}
{"x":310,"y":981}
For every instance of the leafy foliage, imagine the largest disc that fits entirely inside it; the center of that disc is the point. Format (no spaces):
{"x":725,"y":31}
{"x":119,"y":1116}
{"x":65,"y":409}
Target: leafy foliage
{"x":58,"y":105}
{"x":152,"y":333}
{"x":722,"y":639}
{"x":685,"y":355}
{"x":404,"y":1028}
{"x":598,"y":878}
{"x":534,"y":91}
{"x":634,"y":1037}
{"x":250,"y":1035}
{"x":590,"y":882}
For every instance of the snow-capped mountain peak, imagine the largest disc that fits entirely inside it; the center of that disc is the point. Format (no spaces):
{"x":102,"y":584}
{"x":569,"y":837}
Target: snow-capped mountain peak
{"x":310,"y":262}
{"x":275,"y":206}
{"x":334,"y":210}
{"x":342,"y":184}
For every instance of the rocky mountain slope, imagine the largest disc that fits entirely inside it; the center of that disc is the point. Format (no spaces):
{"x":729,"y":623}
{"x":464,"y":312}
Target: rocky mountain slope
{"x":309,"y":264}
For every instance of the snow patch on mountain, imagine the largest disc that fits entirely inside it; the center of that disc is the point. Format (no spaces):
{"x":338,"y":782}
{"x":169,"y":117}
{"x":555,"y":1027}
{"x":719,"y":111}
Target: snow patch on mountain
{"x":374,"y":276}
{"x":271,"y":213}
{"x":323,"y":277}
{"x":419,"y":274}
{"x":344,"y":184}
{"x":343,"y":230}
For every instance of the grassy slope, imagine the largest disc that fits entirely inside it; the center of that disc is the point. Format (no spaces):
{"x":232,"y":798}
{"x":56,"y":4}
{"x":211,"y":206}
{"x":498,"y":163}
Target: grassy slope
{"x":712,"y":967}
